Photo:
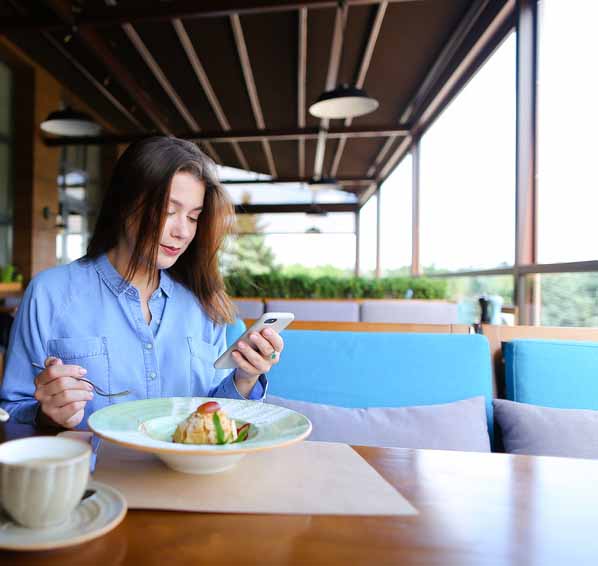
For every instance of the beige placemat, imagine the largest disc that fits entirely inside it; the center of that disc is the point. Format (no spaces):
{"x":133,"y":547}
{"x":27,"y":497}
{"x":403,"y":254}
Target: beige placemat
{"x":313,"y":478}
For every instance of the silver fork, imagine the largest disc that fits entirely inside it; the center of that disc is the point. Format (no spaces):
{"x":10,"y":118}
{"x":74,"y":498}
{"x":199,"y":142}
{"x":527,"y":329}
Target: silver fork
{"x":96,"y":388}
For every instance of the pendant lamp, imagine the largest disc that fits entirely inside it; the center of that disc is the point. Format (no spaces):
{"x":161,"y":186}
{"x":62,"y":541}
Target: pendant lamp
{"x":343,"y":102}
{"x":69,"y":122}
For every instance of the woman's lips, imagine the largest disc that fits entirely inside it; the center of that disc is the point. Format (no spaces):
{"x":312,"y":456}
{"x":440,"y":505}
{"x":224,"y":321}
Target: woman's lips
{"x":170,"y":251}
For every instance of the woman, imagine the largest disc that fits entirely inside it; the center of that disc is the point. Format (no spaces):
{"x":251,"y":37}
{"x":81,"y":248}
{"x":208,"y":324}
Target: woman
{"x":145,"y":309}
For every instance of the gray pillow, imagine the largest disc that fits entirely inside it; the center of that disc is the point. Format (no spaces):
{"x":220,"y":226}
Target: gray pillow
{"x":544,"y":431}
{"x":460,"y":425}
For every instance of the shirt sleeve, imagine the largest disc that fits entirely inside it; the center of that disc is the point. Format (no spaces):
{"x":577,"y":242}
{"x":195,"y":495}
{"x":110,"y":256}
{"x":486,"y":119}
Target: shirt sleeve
{"x":26,"y":345}
{"x":224,"y":380}
{"x":227,"y":388}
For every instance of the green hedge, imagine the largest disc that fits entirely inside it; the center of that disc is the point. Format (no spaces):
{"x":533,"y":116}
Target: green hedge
{"x":276,"y":285}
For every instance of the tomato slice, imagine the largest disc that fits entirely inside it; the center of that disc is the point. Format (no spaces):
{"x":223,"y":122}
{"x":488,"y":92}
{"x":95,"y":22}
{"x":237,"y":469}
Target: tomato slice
{"x":209,"y":407}
{"x":243,"y":428}
{"x":242,"y":433}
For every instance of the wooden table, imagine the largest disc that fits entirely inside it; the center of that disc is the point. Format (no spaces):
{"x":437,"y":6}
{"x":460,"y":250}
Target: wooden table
{"x":474,"y":508}
{"x":10,"y":290}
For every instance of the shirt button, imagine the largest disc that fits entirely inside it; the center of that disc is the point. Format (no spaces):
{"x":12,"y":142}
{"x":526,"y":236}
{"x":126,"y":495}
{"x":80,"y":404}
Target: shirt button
{"x":152,"y":375}
{"x":149,"y":346}
{"x":159,"y":293}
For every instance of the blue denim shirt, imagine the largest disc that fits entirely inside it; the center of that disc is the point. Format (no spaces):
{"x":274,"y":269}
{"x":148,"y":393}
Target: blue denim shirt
{"x":86,"y":314}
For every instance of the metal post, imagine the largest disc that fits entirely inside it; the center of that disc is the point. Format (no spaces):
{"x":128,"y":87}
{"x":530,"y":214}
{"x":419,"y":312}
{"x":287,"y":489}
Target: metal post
{"x":378,"y":211}
{"x":415,"y":227}
{"x":357,"y":213}
{"x":525,"y":219}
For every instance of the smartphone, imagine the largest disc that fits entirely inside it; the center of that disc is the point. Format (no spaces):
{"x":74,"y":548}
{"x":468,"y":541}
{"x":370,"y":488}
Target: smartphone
{"x":274,"y":320}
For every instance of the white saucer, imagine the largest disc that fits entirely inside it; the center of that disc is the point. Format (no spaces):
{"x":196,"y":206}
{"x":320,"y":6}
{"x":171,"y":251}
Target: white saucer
{"x":92,"y":518}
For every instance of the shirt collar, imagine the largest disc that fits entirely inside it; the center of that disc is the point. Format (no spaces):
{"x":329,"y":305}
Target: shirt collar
{"x":166,"y":282}
{"x":110,"y":276}
{"x":118,"y":285}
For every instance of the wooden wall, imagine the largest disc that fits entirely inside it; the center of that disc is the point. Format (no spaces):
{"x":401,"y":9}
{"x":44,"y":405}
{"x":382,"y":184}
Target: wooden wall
{"x":36,"y":94}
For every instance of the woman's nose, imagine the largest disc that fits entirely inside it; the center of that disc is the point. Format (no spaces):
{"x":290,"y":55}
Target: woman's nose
{"x":181,"y":229}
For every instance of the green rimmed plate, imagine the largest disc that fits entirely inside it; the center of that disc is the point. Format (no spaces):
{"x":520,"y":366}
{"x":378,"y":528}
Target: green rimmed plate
{"x":148,"y":425}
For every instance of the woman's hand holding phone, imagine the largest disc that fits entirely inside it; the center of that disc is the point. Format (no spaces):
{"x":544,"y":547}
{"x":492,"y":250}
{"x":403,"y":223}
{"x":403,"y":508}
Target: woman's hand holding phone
{"x":256,"y":351}
{"x":256,"y":358}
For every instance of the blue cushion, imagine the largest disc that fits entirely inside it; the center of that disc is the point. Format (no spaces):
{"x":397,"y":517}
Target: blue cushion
{"x":234,"y":330}
{"x":552,"y":373}
{"x":382,"y":369}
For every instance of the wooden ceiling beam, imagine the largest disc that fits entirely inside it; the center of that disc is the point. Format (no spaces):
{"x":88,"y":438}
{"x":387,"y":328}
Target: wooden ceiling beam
{"x":447,"y":90}
{"x":251,"y":87}
{"x":366,"y":195}
{"x":166,"y":85}
{"x":307,"y":208}
{"x":352,"y":181}
{"x":95,"y":82}
{"x":75,"y":63}
{"x":421,"y":100}
{"x":381,"y":155}
{"x":301,"y":85}
{"x":179,"y":9}
{"x":98,"y":46}
{"x":363,"y":69}
{"x":331,"y":77}
{"x":206,"y":86}
{"x":240,"y":136}
{"x":443,"y":60}
{"x":120,"y":73}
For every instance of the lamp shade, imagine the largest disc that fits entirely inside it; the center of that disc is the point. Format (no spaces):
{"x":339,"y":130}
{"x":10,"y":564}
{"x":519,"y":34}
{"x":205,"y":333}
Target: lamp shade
{"x":343,"y":102}
{"x":69,"y":122}
{"x":322,"y":183}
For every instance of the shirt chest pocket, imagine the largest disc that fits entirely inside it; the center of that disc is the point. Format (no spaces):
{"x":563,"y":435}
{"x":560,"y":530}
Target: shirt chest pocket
{"x":89,"y":353}
{"x":202,"y":356}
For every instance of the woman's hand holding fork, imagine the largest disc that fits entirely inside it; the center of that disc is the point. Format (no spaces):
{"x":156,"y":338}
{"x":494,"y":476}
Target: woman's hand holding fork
{"x":61,"y":395}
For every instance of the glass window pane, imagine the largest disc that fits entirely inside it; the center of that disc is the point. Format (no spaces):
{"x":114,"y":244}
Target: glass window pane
{"x":283,"y":223}
{"x":5,"y":184}
{"x":285,"y":193}
{"x":292,"y":242}
{"x":567,"y":125}
{"x":78,"y":190}
{"x":6,"y":174}
{"x":395,"y":221}
{"x":333,"y":251}
{"x":5,"y":244}
{"x":279,"y":193}
{"x":5,"y":100}
{"x":566,"y":299}
{"x":367,"y":238}
{"x":467,"y":201}
{"x":468,"y":290}
{"x":331,"y":254}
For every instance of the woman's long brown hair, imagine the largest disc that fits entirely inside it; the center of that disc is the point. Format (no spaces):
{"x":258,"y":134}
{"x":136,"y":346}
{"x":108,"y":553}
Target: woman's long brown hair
{"x":137,"y":197}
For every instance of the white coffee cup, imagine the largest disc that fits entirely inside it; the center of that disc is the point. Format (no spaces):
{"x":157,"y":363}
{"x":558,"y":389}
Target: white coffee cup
{"x":42,"y":478}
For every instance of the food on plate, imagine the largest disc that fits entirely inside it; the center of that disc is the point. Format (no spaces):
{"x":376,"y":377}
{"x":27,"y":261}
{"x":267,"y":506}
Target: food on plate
{"x":209,"y":424}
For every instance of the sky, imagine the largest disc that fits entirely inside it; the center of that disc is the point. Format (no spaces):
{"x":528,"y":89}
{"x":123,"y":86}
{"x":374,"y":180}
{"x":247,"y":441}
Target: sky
{"x":468,"y":168}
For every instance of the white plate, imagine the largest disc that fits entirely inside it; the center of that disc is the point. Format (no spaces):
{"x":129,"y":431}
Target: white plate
{"x":92,"y":518}
{"x":148,"y":425}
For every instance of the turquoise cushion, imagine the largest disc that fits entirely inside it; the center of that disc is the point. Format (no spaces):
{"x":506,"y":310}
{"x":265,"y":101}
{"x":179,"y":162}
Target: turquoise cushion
{"x":234,"y":330}
{"x":382,"y":369}
{"x":552,"y":373}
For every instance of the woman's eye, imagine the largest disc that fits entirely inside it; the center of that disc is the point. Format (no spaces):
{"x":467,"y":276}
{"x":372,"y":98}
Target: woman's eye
{"x":194,"y":220}
{"x":171,"y":212}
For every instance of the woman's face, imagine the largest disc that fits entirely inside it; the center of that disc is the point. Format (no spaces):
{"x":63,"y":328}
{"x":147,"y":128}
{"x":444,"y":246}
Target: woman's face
{"x":184,"y":208}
